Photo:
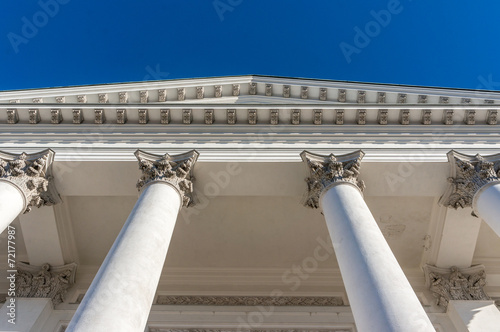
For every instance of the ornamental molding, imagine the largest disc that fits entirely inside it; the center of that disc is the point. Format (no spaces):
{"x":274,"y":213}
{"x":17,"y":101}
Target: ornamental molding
{"x":482,"y":117}
{"x":175,"y":170}
{"x":167,"y":329}
{"x":32,"y":175}
{"x":468,"y":174}
{"x":160,"y":329}
{"x":249,"y":300}
{"x":456,"y":284}
{"x":477,"y":107}
{"x":45,"y":281}
{"x":327,"y":170}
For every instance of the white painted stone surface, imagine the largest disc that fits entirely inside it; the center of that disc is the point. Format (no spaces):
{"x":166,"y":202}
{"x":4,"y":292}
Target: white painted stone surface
{"x":474,"y":316}
{"x":380,"y":296}
{"x":46,"y":249}
{"x":486,"y":202}
{"x":11,"y":204}
{"x":121,"y":295}
{"x":459,"y":225}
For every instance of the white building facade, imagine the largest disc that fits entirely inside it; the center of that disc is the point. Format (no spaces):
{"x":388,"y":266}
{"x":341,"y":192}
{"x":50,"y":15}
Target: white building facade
{"x":249,"y":203}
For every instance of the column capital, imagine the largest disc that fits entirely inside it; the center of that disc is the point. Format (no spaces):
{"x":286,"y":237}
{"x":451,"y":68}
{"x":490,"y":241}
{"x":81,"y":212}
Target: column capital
{"x":44,"y":281}
{"x":176,"y":170}
{"x":327,"y":170}
{"x":32,"y":175}
{"x":468,"y":174}
{"x":453,"y":283}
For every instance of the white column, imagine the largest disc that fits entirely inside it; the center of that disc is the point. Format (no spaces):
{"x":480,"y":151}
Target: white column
{"x":24,"y":183}
{"x":11,"y":203}
{"x":474,"y":182}
{"x":380,"y":296}
{"x":121,"y":294}
{"x":485,"y":204}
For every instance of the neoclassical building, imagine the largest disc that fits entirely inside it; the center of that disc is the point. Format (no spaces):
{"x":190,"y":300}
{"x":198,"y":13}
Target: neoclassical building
{"x":249,"y":203}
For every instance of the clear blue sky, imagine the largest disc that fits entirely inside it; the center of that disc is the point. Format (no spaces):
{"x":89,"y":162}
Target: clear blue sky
{"x":420,"y":42}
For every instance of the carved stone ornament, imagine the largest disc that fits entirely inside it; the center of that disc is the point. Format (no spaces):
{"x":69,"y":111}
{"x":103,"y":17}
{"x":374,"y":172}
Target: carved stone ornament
{"x":468,"y":175}
{"x":239,"y":329}
{"x":44,"y":281}
{"x":456,"y":284}
{"x":327,"y":170}
{"x":250,"y":300}
{"x":32,"y":175}
{"x":175,"y":170}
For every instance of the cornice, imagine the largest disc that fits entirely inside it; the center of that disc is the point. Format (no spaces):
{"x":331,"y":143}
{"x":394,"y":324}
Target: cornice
{"x":278,"y":114}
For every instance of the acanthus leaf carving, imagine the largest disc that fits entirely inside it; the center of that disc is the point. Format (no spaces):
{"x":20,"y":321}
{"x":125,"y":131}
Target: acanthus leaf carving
{"x":456,"y":284}
{"x":44,"y":281}
{"x":468,"y":175}
{"x":327,"y":170}
{"x":175,"y":170}
{"x":31,"y":174}
{"x":250,"y":300}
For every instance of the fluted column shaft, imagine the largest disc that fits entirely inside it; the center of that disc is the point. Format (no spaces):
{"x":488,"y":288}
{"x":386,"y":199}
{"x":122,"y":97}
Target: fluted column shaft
{"x":121,"y":294}
{"x":381,"y":298}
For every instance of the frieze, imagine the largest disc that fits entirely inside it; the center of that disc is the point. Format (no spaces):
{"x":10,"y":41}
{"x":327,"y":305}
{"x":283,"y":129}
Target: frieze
{"x":456,"y":284}
{"x":468,"y":175}
{"x":327,"y":170}
{"x":156,"y":329}
{"x":44,"y":281}
{"x":31,"y":174}
{"x":176,"y":170}
{"x":250,"y":300}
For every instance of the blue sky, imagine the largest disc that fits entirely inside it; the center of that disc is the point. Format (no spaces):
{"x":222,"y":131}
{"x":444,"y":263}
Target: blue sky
{"x":420,"y":42}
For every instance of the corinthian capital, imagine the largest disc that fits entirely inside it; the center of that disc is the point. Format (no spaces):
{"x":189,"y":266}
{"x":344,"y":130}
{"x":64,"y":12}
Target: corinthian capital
{"x":44,"y":281}
{"x":468,"y":175}
{"x":174,"y":170}
{"x":456,"y":284}
{"x":31,"y":174}
{"x":327,"y":170}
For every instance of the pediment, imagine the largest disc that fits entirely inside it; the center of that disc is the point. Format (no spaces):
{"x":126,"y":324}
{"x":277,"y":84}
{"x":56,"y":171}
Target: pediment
{"x":247,"y":90}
